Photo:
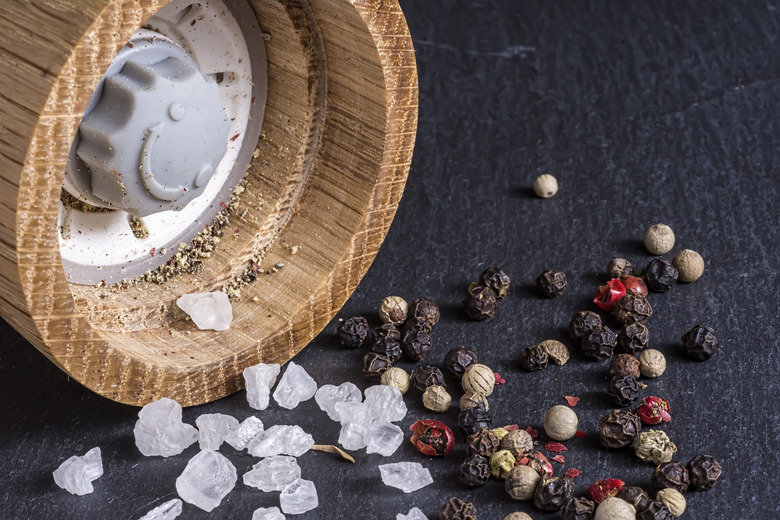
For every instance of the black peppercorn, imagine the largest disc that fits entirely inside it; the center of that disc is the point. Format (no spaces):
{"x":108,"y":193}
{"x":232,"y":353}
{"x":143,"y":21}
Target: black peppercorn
{"x":623,"y":390}
{"x":387,"y":341}
{"x":425,"y":376}
{"x":496,"y":279}
{"x":633,"y":337}
{"x":483,"y":442}
{"x":534,"y":358}
{"x":704,"y":472}
{"x":473,"y":419}
{"x":551,"y":283}
{"x":583,"y":322}
{"x":458,"y":360}
{"x":660,"y":275}
{"x":599,"y":343}
{"x":416,"y":344}
{"x":425,"y":310}
{"x":353,"y":331}
{"x":636,"y":496}
{"x":700,"y":342}
{"x":579,"y":508}
{"x":552,"y":493}
{"x":632,"y":307}
{"x":655,"y":511}
{"x":671,"y":475}
{"x":619,"y":428}
{"x":457,"y":509}
{"x":624,"y":365}
{"x":619,"y":267}
{"x":480,"y":303}
{"x":474,"y":471}
{"x":374,"y":365}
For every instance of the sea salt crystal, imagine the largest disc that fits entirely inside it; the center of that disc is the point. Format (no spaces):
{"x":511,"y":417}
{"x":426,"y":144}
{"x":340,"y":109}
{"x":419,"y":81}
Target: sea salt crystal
{"x":207,"y":310}
{"x":295,"y":386}
{"x":267,"y":513}
{"x":240,"y":437}
{"x":160,"y":430}
{"x":167,"y":511}
{"x":352,"y":412}
{"x":406,"y":476}
{"x":352,"y":436}
{"x":213,"y":428}
{"x":384,"y":439}
{"x":259,"y":379}
{"x":76,"y":474}
{"x":328,"y":395}
{"x":281,"y":439}
{"x":273,"y":473}
{"x":385,"y":403}
{"x":413,"y":514}
{"x":299,"y":497}
{"x":207,"y":479}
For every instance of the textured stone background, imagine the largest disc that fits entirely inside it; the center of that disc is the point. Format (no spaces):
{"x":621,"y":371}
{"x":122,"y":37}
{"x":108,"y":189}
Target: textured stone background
{"x":646,"y":112}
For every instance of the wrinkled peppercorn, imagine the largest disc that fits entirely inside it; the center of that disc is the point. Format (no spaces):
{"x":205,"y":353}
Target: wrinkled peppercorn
{"x":536,"y":460}
{"x":458,"y":360}
{"x":418,"y":324}
{"x":619,"y":428}
{"x":519,"y":442}
{"x":556,"y":351}
{"x":393,"y":309}
{"x":660,"y":275}
{"x":583,"y":322}
{"x":634,"y":284}
{"x":623,"y":390}
{"x":520,"y":482}
{"x":425,"y":310}
{"x":551,"y":283}
{"x":619,"y":267}
{"x":374,"y":365}
{"x":471,"y":399}
{"x":633,"y":337}
{"x":417,"y":344}
{"x":496,"y":279}
{"x":353,"y":331}
{"x":579,"y":508}
{"x":624,"y":365}
{"x":387,"y":341}
{"x":480,"y":303}
{"x":552,"y":493}
{"x":655,"y":511}
{"x":474,"y":471}
{"x":599,"y":343}
{"x":457,"y":509}
{"x":671,"y":475}
{"x":473,"y":419}
{"x":636,"y":496}
{"x":700,"y":342}
{"x":704,"y":472}
{"x":483,"y":442}
{"x":501,"y":463}
{"x":654,"y":446}
{"x":534,"y":358}
{"x":632,"y":307}
{"x":425,"y":376}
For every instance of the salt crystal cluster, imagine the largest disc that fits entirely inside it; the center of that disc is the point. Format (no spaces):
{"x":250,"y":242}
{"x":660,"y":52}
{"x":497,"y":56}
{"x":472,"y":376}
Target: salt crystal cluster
{"x":406,"y":476}
{"x":281,"y":440}
{"x":207,"y":479}
{"x":273,"y":473}
{"x":295,"y":386}
{"x":167,"y":511}
{"x":259,"y":380}
{"x":298,"y":497}
{"x":207,"y":310}
{"x":160,"y":430}
{"x":413,"y":514}
{"x":213,"y":428}
{"x":267,"y":513}
{"x":240,"y":437}
{"x":328,"y":395}
{"x":76,"y":474}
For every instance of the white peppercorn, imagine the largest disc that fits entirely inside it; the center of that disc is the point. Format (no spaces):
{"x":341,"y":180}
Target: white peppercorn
{"x":521,"y":482}
{"x":689,"y":264}
{"x":397,"y":377}
{"x":614,"y":508}
{"x":393,"y":309}
{"x":673,"y":500}
{"x":557,"y":352}
{"x":436,"y":399}
{"x":472,"y":399}
{"x":478,"y":378}
{"x":517,"y":515}
{"x":518,"y":442}
{"x":659,"y":239}
{"x":560,"y":423}
{"x":652,"y":363}
{"x":545,"y":186}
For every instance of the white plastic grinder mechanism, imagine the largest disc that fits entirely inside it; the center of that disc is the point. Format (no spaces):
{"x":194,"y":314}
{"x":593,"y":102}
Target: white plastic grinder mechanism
{"x":160,"y":141}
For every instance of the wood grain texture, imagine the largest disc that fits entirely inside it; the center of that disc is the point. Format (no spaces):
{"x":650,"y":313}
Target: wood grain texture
{"x":338,"y":135}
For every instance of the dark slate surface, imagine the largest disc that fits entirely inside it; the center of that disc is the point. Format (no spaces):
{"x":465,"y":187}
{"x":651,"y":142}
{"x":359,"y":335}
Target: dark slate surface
{"x":646,"y":112}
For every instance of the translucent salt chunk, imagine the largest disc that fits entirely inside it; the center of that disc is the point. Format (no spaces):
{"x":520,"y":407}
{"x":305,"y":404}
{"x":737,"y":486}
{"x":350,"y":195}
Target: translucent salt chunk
{"x":281,"y":440}
{"x":267,"y":513}
{"x":385,"y":403}
{"x":413,"y":514}
{"x":207,"y":479}
{"x":406,"y":476}
{"x":240,"y":437}
{"x":384,"y":439}
{"x":273,"y":473}
{"x":160,"y":430}
{"x":295,"y":386}
{"x":213,"y":428}
{"x":328,"y":395}
{"x":299,"y":497}
{"x":259,"y":379}
{"x":167,"y":511}
{"x":207,"y":310}
{"x":352,"y":436}
{"x":352,"y":412}
{"x":76,"y":474}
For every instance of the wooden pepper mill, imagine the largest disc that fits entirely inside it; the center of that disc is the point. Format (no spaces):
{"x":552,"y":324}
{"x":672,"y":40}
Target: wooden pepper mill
{"x":322,"y":180}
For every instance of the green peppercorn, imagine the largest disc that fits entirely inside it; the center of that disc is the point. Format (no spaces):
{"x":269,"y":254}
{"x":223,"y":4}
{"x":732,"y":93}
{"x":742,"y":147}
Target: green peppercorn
{"x":654,"y":446}
{"x":501,"y":462}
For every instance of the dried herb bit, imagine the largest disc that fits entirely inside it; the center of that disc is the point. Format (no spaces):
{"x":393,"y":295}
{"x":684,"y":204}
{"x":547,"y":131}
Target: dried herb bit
{"x":425,"y":376}
{"x":700,"y":342}
{"x":387,"y":341}
{"x":704,"y":471}
{"x":619,"y":267}
{"x":660,"y":275}
{"x":556,"y":351}
{"x":501,"y":463}
{"x":374,"y":365}
{"x":636,"y":496}
{"x":633,"y":337}
{"x":599,"y":344}
{"x":654,"y":410}
{"x":624,"y":365}
{"x":608,"y":295}
{"x":536,"y":460}
{"x":534,"y":358}
{"x":623,"y":390}
{"x":480,"y":303}
{"x":457,"y":509}
{"x":425,"y":310}
{"x":552,"y":493}
{"x":335,"y":450}
{"x":473,"y":419}
{"x":619,"y":429}
{"x":579,"y":508}
{"x":353,"y":332}
{"x":432,"y":437}
{"x":458,"y":360}
{"x":632,"y":308}
{"x":475,"y":471}
{"x":654,"y":446}
{"x":520,"y":483}
{"x":393,"y":309}
{"x":605,"y":488}
{"x":551,"y":283}
{"x":483,"y":442}
{"x":583,"y":322}
{"x":655,"y":510}
{"x":417,"y":343}
{"x":497,"y":280}
{"x":671,"y":475}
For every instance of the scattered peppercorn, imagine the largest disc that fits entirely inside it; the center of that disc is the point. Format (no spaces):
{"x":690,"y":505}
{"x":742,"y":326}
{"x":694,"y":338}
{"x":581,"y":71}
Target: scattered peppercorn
{"x":397,"y":377}
{"x":425,"y":376}
{"x":659,"y":239}
{"x":614,"y":508}
{"x":652,"y":363}
{"x":654,"y":446}
{"x":393,"y":309}
{"x":387,"y":341}
{"x":426,"y":310}
{"x":560,"y":423}
{"x":704,"y":471}
{"x":608,"y":295}
{"x":545,"y":186}
{"x":500,"y":432}
{"x":636,"y":496}
{"x":478,"y":378}
{"x":458,"y":360}
{"x":482,"y":442}
{"x":654,"y":410}
{"x":536,"y":460}
{"x":660,"y":275}
{"x":633,"y":337}
{"x":632,"y":308}
{"x":551,"y":283}
{"x":655,"y":511}
{"x":457,"y":509}
{"x":501,"y":462}
{"x":432,"y":437}
{"x":619,"y":428}
{"x":473,"y":419}
{"x":374,"y":365}
{"x":552,"y":493}
{"x":497,"y":280}
{"x":583,"y":322}
{"x":634,"y":285}
{"x":480,"y":303}
{"x":436,"y":399}
{"x":624,"y":365}
{"x":673,"y":500}
{"x":353,"y":332}
{"x":518,"y":442}
{"x":521,"y":481}
{"x":518,"y":515}
{"x":472,"y":399}
{"x":700,"y":342}
{"x":605,"y":488}
{"x":623,"y":390}
{"x":557,"y":352}
{"x":416,"y":344}
{"x":599,"y":344}
{"x":579,"y":508}
{"x":534,"y":358}
{"x":689,"y":264}
{"x":475,"y":471}
{"x":619,"y":267}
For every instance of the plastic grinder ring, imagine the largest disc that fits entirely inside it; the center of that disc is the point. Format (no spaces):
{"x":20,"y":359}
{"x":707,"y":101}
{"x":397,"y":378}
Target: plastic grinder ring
{"x":166,"y":136}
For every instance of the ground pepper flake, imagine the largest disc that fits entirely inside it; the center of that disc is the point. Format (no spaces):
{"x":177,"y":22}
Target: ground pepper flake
{"x":532,"y":432}
{"x":573,"y":473}
{"x":152,"y":251}
{"x":580,"y":434}
{"x":555,"y":447}
{"x":235,"y":137}
{"x":559,"y":459}
{"x":572,"y":400}
{"x":499,"y":380}
{"x":511,"y":427}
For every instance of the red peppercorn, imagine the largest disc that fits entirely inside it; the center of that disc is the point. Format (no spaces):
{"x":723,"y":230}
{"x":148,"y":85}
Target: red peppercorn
{"x":609,"y":294}
{"x":654,"y":410}
{"x":538,"y":462}
{"x":634,"y":285}
{"x":605,"y":488}
{"x":432,"y":437}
